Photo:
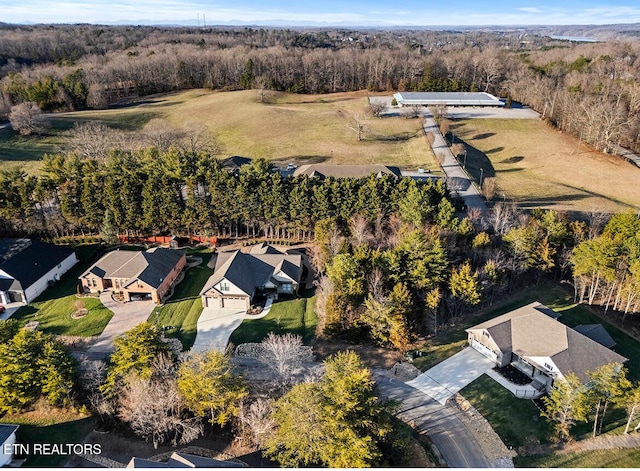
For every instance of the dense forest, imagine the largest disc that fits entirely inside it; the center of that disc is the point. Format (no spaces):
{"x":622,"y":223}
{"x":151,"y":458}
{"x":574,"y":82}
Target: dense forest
{"x":590,"y":90}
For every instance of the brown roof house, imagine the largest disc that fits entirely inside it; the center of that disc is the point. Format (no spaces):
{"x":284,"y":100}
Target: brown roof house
{"x":138,"y":275}
{"x":239,"y":276}
{"x":531,"y":340}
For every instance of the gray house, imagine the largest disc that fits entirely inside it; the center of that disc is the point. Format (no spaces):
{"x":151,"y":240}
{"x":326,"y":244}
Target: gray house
{"x":531,"y":340}
{"x":239,"y":276}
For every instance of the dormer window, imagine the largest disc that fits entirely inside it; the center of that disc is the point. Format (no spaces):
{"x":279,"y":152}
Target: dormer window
{"x":224,"y":286}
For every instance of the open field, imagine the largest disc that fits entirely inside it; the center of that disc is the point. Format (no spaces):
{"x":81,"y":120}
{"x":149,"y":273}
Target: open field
{"x":537,"y":166}
{"x":292,"y":128}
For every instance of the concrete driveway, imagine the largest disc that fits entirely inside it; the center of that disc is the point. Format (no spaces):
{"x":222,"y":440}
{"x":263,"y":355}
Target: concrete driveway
{"x":215,"y":326}
{"x":125,"y":317}
{"x":450,"y":376}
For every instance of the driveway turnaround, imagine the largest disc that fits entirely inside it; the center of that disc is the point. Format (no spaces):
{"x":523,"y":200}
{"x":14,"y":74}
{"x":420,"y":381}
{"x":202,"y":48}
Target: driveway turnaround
{"x":125,"y":317}
{"x":454,"y":441}
{"x":450,"y":376}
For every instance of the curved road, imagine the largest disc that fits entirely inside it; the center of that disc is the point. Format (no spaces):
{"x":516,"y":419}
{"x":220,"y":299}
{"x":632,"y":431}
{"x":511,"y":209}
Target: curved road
{"x":457,"y":445}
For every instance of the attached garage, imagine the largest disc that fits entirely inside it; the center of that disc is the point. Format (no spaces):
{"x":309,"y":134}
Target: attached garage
{"x":235,"y":302}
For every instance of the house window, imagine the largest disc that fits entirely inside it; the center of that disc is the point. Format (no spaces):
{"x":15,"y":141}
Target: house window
{"x":287,"y":288}
{"x":224,"y":286}
{"x":548,"y":366}
{"x":59,"y":265}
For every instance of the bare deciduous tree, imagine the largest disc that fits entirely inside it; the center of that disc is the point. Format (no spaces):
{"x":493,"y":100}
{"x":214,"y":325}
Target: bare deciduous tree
{"x":375,"y":282}
{"x":160,"y":134}
{"x":376,"y":108}
{"x":489,"y":188}
{"x":155,"y":411}
{"x":457,"y":149}
{"x":503,"y":217}
{"x":284,"y":354}
{"x":324,"y":287}
{"x":358,"y":124}
{"x":597,"y":220}
{"x":94,"y":140}
{"x":359,"y":229}
{"x":255,"y":423}
{"x":27,"y":119}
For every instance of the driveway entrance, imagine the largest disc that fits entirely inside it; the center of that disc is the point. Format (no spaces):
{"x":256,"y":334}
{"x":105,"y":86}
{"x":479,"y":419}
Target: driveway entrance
{"x":450,"y":376}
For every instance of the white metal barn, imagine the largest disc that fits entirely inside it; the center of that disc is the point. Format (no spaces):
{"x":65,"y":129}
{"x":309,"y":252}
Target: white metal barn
{"x":447,"y":99}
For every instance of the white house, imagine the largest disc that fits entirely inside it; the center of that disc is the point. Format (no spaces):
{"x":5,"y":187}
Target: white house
{"x":28,"y":267}
{"x":7,"y":439}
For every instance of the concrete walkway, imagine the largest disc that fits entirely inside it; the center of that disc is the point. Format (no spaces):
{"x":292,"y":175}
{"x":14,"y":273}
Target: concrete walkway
{"x":125,"y":317}
{"x":215,"y":326}
{"x":447,"y":432}
{"x":458,"y":180}
{"x":450,"y":376}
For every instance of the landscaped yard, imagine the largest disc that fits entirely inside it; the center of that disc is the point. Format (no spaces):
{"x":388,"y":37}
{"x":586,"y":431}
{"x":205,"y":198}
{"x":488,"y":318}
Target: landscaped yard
{"x":297,"y":316}
{"x":53,"y":309}
{"x":183,"y":309}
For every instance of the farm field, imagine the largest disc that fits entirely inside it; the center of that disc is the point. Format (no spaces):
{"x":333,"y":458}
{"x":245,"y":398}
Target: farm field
{"x":537,"y":166}
{"x":291,"y":128}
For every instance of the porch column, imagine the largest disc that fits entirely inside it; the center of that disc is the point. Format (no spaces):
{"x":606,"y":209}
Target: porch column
{"x":4,"y":299}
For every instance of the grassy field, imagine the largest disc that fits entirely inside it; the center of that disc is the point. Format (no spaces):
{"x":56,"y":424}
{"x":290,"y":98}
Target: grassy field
{"x":536,"y":165}
{"x":292,"y":128}
{"x":617,"y":458}
{"x":50,"y":426}
{"x":296,"y":317}
{"x":182,"y":311}
{"x":54,"y":307}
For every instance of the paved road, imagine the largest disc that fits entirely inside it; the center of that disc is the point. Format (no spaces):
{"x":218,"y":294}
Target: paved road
{"x":125,"y":317}
{"x":452,"y":169}
{"x":457,"y":445}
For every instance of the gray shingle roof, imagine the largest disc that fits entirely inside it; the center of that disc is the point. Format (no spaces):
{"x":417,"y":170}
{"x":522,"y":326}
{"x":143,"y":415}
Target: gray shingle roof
{"x":533,"y":333}
{"x":151,"y":267}
{"x":249,"y":271}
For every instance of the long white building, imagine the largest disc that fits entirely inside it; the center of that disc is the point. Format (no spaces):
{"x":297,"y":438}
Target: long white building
{"x":447,"y":99}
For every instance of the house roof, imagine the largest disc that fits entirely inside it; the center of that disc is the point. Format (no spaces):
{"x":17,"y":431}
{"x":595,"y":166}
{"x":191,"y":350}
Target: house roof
{"x":250,"y":270}
{"x":6,"y":430}
{"x":151,"y":267}
{"x":447,"y":98}
{"x":597,"y":333}
{"x":530,"y":332}
{"x":235,"y":162}
{"x":345,"y":171}
{"x":264,"y":248}
{"x":27,"y":260}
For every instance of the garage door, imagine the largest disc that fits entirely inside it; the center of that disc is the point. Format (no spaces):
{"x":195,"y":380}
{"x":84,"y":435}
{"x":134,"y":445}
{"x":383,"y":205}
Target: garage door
{"x":232,"y":302}
{"x":213,"y":302}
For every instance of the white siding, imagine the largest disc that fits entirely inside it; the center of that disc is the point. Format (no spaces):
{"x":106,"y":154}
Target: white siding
{"x":36,"y":289}
{"x":233,"y":289}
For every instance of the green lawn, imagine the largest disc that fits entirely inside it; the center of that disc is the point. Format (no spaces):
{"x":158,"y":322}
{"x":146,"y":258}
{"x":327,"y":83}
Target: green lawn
{"x":54,"y":307}
{"x":54,"y":427}
{"x":618,"y":458}
{"x":512,"y":418}
{"x":297,"y":316}
{"x":182,"y":311}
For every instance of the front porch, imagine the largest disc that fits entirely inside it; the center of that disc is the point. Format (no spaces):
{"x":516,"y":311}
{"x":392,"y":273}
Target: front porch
{"x":532,"y":390}
{"x":522,"y":378}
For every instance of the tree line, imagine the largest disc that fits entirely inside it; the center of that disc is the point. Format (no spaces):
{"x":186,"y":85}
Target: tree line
{"x":177,"y":191}
{"x":590,"y":91}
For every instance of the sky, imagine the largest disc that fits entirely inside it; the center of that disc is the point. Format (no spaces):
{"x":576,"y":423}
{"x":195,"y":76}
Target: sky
{"x":329,"y":12}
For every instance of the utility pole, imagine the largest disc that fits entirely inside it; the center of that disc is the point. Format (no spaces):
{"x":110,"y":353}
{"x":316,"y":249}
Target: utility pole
{"x":464,"y":165}
{"x":481,"y":175}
